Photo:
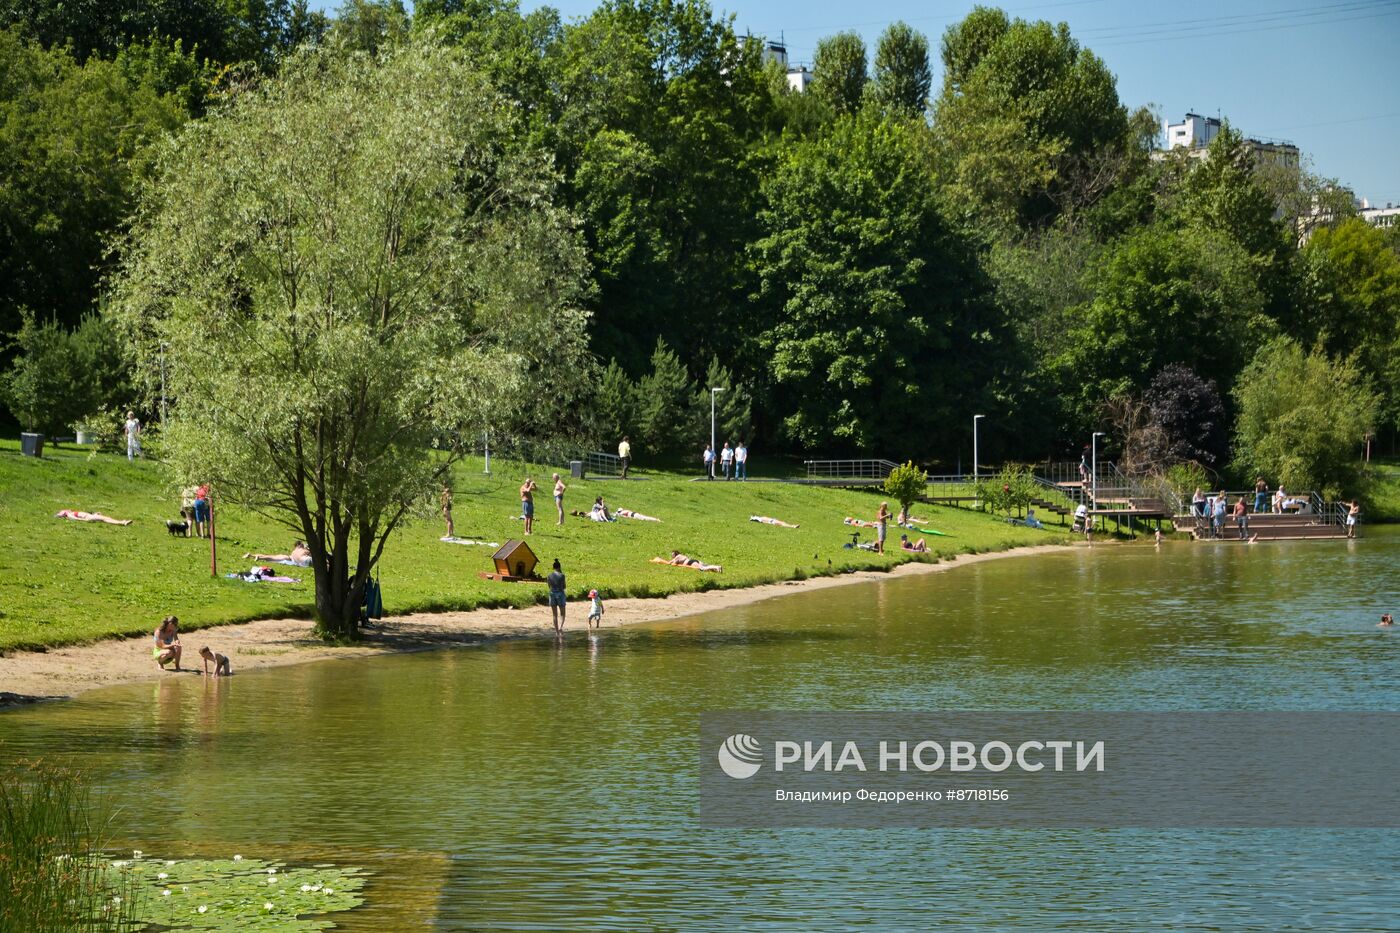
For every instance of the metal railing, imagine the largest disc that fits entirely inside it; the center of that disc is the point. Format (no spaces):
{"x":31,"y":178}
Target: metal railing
{"x":848,"y":469}
{"x":602,"y":464}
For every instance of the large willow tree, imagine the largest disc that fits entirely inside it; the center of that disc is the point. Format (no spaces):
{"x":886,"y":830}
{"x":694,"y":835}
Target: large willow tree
{"x":351,"y":269}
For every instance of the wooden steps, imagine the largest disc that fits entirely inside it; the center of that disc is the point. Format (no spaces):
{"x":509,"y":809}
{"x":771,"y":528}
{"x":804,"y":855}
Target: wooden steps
{"x":1268,"y":527}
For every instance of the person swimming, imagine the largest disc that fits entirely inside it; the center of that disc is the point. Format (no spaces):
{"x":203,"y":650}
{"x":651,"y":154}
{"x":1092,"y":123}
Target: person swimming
{"x":1386,"y":621}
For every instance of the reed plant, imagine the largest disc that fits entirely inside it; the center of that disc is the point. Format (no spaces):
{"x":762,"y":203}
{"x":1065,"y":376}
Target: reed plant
{"x":54,"y":877}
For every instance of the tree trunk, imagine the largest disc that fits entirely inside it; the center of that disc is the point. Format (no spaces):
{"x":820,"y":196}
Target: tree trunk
{"x":339,"y":594}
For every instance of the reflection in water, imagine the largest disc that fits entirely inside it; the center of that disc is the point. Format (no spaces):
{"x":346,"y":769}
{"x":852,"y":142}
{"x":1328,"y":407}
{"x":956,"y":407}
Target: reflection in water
{"x":558,"y":778}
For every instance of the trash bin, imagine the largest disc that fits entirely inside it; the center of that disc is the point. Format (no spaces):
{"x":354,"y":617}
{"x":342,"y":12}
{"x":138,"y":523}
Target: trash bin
{"x":31,"y":445}
{"x":576,"y":469}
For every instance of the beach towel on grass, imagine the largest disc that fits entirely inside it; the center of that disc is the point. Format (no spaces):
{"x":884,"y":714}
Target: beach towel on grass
{"x":262,"y":575}
{"x":451,"y":539}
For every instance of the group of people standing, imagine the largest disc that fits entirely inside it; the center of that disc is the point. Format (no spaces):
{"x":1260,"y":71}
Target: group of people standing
{"x":733,"y":461}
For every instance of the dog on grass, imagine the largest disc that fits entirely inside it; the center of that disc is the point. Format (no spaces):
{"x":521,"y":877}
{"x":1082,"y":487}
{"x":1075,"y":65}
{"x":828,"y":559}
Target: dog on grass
{"x":177,"y":529}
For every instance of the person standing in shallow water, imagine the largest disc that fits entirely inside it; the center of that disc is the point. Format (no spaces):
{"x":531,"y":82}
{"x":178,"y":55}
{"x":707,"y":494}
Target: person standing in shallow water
{"x":557,"y":602}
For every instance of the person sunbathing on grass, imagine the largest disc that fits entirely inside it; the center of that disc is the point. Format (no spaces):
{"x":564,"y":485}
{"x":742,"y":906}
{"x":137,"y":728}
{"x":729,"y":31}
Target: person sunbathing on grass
{"x":858,"y":522}
{"x":628,"y":513}
{"x":771,"y":521}
{"x":80,"y":516}
{"x":916,"y":547}
{"x":300,"y":556}
{"x":681,"y":560}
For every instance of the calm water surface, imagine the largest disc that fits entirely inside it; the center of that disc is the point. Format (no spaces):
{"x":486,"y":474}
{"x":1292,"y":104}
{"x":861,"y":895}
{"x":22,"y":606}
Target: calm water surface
{"x":523,"y":786}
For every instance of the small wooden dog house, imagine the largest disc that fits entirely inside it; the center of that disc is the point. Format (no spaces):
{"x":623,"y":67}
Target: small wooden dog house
{"x":514,"y":561}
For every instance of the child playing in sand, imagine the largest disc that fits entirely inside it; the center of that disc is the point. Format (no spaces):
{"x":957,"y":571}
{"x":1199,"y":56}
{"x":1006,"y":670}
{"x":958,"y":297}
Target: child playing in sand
{"x":167,"y":643}
{"x":595,"y":609}
{"x":221,"y":665}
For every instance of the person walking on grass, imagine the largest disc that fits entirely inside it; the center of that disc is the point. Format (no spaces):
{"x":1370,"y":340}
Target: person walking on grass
{"x":708,"y":459}
{"x":527,"y":504}
{"x":741,"y":461}
{"x":624,"y":454}
{"x":133,"y":436}
{"x":882,"y":526}
{"x":559,"y":488}
{"x":557,"y":601}
{"x":726,"y":460}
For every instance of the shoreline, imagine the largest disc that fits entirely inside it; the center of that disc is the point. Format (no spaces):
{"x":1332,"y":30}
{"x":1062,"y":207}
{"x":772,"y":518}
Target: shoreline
{"x":62,"y":673}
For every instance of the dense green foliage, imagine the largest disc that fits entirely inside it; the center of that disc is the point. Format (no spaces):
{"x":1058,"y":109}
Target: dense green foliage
{"x":905,"y":484}
{"x":133,"y":576}
{"x":862,"y":265}
{"x":348,"y":267}
{"x":1299,"y":414}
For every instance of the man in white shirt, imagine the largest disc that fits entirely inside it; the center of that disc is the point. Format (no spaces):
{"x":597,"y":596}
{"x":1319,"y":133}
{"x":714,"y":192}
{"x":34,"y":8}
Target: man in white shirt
{"x":133,"y":436}
{"x":726,"y":459}
{"x":624,"y":453}
{"x":741,"y":460}
{"x":709,"y":460}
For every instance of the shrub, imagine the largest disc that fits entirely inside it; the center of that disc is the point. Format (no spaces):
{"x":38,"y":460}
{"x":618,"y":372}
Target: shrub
{"x":905,"y":484}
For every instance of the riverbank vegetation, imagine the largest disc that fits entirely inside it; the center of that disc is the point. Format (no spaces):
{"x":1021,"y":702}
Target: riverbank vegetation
{"x":63,"y":582}
{"x":329,"y":253}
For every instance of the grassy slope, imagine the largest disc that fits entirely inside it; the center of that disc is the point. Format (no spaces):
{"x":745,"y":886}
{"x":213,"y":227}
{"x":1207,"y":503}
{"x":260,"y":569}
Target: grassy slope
{"x":63,"y":582}
{"x":1382,"y":501}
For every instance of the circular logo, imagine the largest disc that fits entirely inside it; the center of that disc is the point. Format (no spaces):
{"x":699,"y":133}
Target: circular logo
{"x":740,"y":756}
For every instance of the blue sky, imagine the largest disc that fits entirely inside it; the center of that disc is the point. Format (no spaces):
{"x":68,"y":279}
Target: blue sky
{"x":1324,"y":75}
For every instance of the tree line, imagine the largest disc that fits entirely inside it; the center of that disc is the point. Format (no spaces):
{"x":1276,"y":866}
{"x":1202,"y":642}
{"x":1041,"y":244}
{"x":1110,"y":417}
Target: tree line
{"x":862,"y":266}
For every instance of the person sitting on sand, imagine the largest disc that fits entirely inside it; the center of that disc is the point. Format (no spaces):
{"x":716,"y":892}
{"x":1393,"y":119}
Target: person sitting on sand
{"x":628,"y":513}
{"x":80,"y":516}
{"x":768,"y":520}
{"x":300,"y":556}
{"x":917,"y":547}
{"x":681,"y":560}
{"x":167,"y":647}
{"x":220,"y":661}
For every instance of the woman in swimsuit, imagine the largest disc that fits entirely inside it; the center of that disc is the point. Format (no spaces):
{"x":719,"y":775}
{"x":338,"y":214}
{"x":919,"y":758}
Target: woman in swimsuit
{"x":167,"y":647}
{"x":681,"y":560}
{"x":80,"y":516}
{"x":300,"y":556}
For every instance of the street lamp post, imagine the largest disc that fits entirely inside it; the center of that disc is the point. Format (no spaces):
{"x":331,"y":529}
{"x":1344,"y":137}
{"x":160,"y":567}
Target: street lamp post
{"x":975,"y":419}
{"x":713,"y":391}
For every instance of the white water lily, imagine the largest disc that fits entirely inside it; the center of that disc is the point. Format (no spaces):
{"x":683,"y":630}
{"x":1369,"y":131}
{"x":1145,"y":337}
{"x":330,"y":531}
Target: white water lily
{"x":202,"y":908}
{"x":267,"y":906}
{"x":166,"y":893}
{"x":116,"y":900}
{"x":330,"y":890}
{"x":136,"y":853}
{"x":272,"y":871}
{"x":238,"y":858}
{"x":305,"y":888}
{"x":163,"y":875}
{"x":170,"y":862}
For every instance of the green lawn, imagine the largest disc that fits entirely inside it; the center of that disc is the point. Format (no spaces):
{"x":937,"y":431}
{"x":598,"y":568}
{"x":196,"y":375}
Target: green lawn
{"x":1382,"y":499}
{"x":63,"y":582}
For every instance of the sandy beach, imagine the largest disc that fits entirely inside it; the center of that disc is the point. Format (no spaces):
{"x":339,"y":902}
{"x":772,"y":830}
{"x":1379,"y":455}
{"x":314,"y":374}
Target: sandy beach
{"x":66,"y":672}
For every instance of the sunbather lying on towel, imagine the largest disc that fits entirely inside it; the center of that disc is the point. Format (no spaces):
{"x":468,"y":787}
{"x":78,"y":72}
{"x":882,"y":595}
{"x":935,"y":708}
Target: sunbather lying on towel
{"x":628,"y":513}
{"x":680,"y":560}
{"x":300,"y":556}
{"x":858,"y":522}
{"x":263,"y":575}
{"x":79,"y":516}
{"x":770,"y":521}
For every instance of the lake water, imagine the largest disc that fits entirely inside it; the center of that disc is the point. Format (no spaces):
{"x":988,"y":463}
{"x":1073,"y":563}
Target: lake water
{"x":525,"y":786}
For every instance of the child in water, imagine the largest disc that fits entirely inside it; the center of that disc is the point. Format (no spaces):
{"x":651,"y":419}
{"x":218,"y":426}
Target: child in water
{"x":1386,"y":621}
{"x":221,"y":665}
{"x":595,"y":610}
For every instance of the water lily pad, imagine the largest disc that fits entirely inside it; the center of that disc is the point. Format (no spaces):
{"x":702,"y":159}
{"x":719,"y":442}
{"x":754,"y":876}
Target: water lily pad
{"x":229,"y":894}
